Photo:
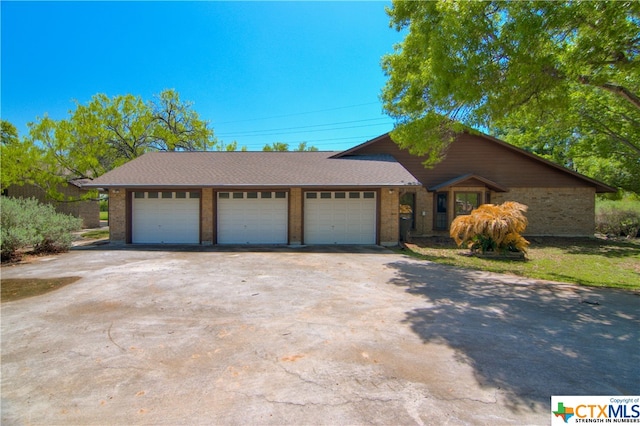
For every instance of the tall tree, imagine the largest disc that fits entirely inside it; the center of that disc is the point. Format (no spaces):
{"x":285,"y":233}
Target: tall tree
{"x":561,"y":79}
{"x":25,"y":163}
{"x":108,"y":132}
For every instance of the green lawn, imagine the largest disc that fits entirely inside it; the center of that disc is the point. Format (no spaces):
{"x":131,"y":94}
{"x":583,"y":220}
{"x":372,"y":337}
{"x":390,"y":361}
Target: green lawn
{"x":592,"y":262}
{"x":96,"y":235}
{"x":104,"y":215}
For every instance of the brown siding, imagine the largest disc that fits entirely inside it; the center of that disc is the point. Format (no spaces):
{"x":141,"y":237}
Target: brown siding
{"x":471,"y":154}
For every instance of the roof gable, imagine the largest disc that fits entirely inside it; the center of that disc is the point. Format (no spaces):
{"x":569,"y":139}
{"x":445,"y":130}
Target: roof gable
{"x":469,"y":180}
{"x":482,"y":155}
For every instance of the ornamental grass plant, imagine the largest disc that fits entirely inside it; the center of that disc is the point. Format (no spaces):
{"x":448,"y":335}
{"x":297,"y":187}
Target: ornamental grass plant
{"x":492,"y":228}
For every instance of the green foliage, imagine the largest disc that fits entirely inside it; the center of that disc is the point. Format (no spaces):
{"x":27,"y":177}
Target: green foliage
{"x":276,"y":146}
{"x":27,"y":223}
{"x":281,"y":146}
{"x":619,"y":218}
{"x":557,"y":78}
{"x":302,"y":146}
{"x":24,"y":162}
{"x":108,"y":132}
{"x":491,"y":228}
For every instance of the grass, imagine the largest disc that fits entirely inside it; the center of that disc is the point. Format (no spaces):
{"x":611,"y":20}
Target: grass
{"x":20,"y":288}
{"x":585,"y":261}
{"x":104,"y":216}
{"x":96,"y":235}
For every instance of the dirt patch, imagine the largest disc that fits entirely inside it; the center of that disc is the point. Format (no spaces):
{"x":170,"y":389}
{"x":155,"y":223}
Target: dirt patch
{"x":20,"y":288}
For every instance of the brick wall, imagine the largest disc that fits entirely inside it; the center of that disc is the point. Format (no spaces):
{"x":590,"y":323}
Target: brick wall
{"x":568,"y":212}
{"x":389,"y":216}
{"x":295,"y":216}
{"x":117,"y":216}
{"x":207,"y":217}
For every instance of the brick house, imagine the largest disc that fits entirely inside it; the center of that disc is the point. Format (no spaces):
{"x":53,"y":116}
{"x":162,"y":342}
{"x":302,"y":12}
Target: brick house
{"x":481,"y":169}
{"x":87,"y":210}
{"x":349,"y":197}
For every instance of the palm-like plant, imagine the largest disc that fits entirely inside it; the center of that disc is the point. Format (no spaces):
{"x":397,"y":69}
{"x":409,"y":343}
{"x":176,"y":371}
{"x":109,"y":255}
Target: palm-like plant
{"x":492,"y":228}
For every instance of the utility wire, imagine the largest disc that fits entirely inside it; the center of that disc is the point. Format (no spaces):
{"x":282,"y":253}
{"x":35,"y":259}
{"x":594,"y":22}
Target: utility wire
{"x":250,"y":132}
{"x":296,"y":113}
{"x":306,"y":131}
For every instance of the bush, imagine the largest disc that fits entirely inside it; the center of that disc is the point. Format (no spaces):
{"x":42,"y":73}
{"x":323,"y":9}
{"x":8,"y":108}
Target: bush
{"x":491,"y":228}
{"x":27,"y":223}
{"x":618,"y":218}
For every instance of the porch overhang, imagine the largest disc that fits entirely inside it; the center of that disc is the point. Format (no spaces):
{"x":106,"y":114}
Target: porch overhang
{"x":469,"y":180}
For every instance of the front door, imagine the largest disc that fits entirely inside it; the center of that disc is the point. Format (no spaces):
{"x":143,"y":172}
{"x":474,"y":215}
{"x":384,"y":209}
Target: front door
{"x":441,"y":212}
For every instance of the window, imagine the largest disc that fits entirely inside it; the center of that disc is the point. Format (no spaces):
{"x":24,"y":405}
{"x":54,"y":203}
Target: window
{"x":266,"y":195}
{"x":166,"y":194}
{"x":354,"y":195}
{"x":252,"y":195}
{"x":181,"y":194}
{"x":138,"y":194}
{"x":223,"y":195}
{"x":281,"y":194}
{"x":369,"y":195}
{"x":325,"y":195}
{"x":407,"y":208}
{"x":441,"y":211}
{"x":311,"y":195}
{"x":340,"y":195}
{"x":153,"y":194}
{"x":194,"y":195}
{"x":238,"y":195}
{"x":466,"y":201}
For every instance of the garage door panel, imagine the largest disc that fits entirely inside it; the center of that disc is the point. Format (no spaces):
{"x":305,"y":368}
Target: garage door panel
{"x":260,"y":220}
{"x":165,"y":220}
{"x":337,"y":220}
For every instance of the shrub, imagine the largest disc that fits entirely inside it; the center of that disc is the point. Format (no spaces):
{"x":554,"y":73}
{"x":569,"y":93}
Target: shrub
{"x":618,"y":218}
{"x":491,"y":228}
{"x":28,"y":223}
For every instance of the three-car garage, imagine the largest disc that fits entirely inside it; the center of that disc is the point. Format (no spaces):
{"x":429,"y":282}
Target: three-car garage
{"x":254,"y":217}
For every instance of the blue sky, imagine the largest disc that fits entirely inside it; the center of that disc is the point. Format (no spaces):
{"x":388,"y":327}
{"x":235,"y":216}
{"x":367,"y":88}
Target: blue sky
{"x":259,"y":72}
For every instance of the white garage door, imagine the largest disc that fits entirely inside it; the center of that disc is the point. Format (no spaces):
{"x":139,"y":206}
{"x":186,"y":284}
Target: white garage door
{"x":252,"y":217}
{"x":166,"y":217}
{"x":340,"y":217}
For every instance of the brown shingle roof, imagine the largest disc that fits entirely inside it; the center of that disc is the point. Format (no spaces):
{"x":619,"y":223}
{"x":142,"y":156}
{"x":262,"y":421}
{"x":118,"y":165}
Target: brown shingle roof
{"x":259,"y":169}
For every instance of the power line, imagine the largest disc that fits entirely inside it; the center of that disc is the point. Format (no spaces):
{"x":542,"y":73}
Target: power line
{"x":361,"y":139}
{"x":249,"y":132}
{"x":296,"y":113}
{"x":307,"y":131}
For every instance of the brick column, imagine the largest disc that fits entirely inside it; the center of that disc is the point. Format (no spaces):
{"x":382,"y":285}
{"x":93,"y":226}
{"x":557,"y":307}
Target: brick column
{"x":389,"y":216}
{"x":207,"y":217}
{"x":118,"y":216}
{"x":295,"y":216}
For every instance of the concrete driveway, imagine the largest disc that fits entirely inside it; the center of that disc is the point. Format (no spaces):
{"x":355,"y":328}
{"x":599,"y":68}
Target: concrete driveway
{"x":304,"y":336}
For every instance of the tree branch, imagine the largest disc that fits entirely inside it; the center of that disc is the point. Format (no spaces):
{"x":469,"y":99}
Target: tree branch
{"x":615,"y":89}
